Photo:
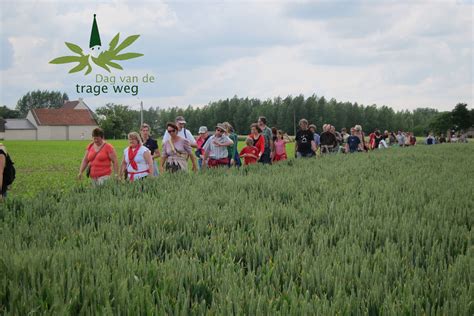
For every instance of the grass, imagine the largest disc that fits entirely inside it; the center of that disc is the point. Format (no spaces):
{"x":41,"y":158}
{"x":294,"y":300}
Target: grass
{"x":389,"y":232}
{"x":53,"y":165}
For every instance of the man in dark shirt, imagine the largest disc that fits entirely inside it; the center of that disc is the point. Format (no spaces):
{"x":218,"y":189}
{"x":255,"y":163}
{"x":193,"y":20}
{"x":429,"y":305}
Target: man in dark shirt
{"x":327,"y":140}
{"x":305,"y":145}
{"x":151,"y":144}
{"x":353,"y":142}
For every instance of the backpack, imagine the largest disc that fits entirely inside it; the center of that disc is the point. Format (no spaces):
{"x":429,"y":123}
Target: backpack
{"x":9,"y":171}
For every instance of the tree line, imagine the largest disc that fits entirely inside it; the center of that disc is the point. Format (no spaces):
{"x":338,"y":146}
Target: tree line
{"x":284,"y":113}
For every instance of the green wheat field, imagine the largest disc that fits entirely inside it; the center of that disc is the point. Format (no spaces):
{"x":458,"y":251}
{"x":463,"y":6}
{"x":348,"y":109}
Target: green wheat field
{"x":383,"y":233}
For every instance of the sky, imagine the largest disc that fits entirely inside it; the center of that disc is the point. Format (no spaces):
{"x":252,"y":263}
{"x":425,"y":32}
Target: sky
{"x":403,"y":54}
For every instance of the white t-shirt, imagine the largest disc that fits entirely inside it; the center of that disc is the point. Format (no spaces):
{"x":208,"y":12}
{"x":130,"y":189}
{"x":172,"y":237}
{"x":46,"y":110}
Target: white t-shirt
{"x":140,"y":160}
{"x":184,"y":133}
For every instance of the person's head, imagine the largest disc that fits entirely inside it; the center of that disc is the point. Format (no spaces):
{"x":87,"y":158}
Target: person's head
{"x":172,"y":129}
{"x":332,"y":128}
{"x":145,"y":131}
{"x":280,"y":134}
{"x":249,"y":141}
{"x":385,"y":132}
{"x":312,"y":128}
{"x":203,"y":131}
{"x":358,"y":128}
{"x":220,"y":130}
{"x":353,"y":131}
{"x":255,"y":129}
{"x":228,"y":127}
{"x":303,"y":124}
{"x":98,"y":135}
{"x":134,"y":139}
{"x":274,"y":131}
{"x":262,"y":122}
{"x":180,"y":122}
{"x":344,"y":130}
{"x":2,"y":147}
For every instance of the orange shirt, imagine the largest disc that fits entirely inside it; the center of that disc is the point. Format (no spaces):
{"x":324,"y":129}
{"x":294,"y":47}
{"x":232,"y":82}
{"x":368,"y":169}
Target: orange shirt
{"x":100,"y":165}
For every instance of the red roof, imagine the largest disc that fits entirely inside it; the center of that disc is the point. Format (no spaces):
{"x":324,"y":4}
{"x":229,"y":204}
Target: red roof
{"x":63,"y":116}
{"x":70,"y":104}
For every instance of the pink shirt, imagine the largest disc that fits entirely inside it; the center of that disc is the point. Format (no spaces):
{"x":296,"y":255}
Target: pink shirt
{"x":280,"y":147}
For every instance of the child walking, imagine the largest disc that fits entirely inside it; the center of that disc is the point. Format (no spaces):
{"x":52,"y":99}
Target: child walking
{"x":249,"y":152}
{"x":280,"y":146}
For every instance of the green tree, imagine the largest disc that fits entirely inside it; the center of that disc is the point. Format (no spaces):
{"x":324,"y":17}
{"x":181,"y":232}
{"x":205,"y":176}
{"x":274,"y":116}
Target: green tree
{"x":6,"y":112}
{"x":40,"y":99}
{"x":118,"y":120}
{"x":441,"y":122}
{"x":461,"y":117}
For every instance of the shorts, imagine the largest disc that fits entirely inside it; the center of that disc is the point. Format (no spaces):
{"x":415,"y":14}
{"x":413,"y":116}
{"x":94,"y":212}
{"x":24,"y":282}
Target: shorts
{"x":280,"y":157}
{"x":100,"y":180}
{"x":214,"y":163}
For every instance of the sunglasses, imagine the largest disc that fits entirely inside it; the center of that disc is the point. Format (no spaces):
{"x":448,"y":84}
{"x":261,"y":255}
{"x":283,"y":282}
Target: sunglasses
{"x":171,"y":131}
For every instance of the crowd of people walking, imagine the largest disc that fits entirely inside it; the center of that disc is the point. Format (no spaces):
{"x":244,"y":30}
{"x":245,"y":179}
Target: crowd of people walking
{"x":263,"y":145}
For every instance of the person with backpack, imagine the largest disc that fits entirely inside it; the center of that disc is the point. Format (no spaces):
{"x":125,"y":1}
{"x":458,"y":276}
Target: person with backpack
{"x":201,"y":141}
{"x":182,"y":132}
{"x":7,"y":171}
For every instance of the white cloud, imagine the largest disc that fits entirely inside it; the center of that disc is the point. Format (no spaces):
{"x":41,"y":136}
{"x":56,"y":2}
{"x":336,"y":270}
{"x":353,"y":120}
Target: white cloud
{"x":401,"y":54}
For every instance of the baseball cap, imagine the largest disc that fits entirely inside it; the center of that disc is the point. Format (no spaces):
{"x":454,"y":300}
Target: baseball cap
{"x":180,"y":119}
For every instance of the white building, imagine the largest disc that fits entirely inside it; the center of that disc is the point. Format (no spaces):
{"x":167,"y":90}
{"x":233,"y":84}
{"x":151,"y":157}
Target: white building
{"x":73,"y":121}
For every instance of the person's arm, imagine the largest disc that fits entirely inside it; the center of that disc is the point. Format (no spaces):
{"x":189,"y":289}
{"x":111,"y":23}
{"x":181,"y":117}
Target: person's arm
{"x":123,"y":168}
{"x":2,"y":167}
{"x":313,"y":146}
{"x":204,"y":160}
{"x":164,"y":156}
{"x":261,"y":146}
{"x":234,"y":149}
{"x":166,"y":137}
{"x":156,"y":153}
{"x":149,"y":161}
{"x":82,"y":167}
{"x":192,"y":140}
{"x":193,"y":161}
{"x":114,"y":159}
{"x":346,"y":148}
{"x":228,"y":142}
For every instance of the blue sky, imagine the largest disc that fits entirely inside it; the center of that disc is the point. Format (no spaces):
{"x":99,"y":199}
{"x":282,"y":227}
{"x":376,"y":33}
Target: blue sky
{"x":404,"y":54}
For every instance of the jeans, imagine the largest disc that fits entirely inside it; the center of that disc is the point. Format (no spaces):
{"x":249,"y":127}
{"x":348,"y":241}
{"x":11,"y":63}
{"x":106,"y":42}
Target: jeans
{"x":304,"y":155}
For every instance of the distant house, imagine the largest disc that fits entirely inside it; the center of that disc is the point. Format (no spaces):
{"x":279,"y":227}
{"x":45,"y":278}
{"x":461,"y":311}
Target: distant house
{"x":73,"y":121}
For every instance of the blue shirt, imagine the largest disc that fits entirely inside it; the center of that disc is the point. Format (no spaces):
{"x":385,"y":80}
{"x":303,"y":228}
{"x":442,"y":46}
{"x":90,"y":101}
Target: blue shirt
{"x":353,"y":142}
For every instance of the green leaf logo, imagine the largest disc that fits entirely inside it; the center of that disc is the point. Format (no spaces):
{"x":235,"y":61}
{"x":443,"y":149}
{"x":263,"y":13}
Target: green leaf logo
{"x":105,"y":59}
